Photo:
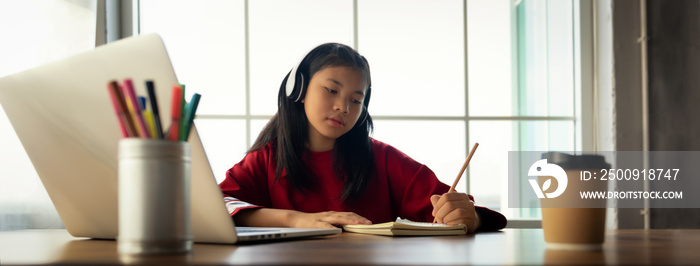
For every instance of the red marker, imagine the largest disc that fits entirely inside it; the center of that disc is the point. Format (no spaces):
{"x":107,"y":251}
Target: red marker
{"x":140,"y":124}
{"x":125,"y":123}
{"x":175,"y":113}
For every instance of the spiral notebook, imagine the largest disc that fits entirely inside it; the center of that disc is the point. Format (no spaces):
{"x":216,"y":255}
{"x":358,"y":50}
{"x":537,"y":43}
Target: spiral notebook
{"x":403,"y":227}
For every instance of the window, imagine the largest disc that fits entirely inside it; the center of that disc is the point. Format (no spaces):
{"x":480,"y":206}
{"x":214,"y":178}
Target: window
{"x":446,"y":73}
{"x":499,"y":72}
{"x":416,"y":52}
{"x":50,"y":30}
{"x":206,"y":44}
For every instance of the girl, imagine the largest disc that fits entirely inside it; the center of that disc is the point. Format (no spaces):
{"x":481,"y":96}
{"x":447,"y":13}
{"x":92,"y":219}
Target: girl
{"x":314,"y":164}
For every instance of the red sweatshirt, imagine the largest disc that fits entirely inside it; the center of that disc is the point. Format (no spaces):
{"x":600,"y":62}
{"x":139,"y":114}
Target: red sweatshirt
{"x":400,"y":187}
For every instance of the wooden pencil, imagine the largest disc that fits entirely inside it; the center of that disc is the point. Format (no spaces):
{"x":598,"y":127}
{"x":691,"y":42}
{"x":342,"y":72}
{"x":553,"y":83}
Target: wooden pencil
{"x":464,"y":167}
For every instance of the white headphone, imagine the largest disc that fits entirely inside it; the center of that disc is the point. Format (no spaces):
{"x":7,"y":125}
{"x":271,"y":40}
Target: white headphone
{"x":291,"y":83}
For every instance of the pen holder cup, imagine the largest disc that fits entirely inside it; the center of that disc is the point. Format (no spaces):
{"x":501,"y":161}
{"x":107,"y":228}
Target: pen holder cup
{"x":154,"y":197}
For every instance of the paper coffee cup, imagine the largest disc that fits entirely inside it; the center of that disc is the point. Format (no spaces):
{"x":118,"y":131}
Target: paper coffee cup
{"x":570,"y":222}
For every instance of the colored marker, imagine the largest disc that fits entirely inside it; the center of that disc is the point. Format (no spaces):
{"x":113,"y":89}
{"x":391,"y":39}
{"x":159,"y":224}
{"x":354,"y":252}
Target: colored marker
{"x":147,"y":116}
{"x":189,"y":116}
{"x":183,"y":112}
{"x":142,"y":103}
{"x":130,"y":110}
{"x":120,"y":113}
{"x":131,"y":94}
{"x":175,"y":113}
{"x":150,"y":87}
{"x":122,"y":110}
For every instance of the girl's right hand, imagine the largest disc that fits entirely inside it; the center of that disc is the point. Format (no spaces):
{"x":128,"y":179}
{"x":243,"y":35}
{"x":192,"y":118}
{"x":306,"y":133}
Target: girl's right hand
{"x":325,"y":219}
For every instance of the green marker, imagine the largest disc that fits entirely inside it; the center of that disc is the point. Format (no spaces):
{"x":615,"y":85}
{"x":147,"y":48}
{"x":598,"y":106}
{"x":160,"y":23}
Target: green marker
{"x":189,"y":116}
{"x":183,"y":112}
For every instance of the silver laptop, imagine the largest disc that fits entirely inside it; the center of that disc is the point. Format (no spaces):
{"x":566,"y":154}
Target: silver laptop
{"x":63,"y":116}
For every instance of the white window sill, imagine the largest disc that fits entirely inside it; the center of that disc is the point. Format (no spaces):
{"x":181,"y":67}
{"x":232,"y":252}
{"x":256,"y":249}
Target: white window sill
{"x":524,"y":223}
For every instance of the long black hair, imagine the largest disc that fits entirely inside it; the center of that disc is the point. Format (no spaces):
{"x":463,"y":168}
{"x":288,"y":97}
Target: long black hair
{"x":288,"y":129}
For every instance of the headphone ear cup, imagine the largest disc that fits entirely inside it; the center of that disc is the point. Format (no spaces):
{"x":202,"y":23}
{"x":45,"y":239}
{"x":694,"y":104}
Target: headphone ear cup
{"x":300,"y":87}
{"x":289,"y":85}
{"x":295,"y":85}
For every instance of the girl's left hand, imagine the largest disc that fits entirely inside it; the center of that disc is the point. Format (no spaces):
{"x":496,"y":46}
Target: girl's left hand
{"x":455,"y":208}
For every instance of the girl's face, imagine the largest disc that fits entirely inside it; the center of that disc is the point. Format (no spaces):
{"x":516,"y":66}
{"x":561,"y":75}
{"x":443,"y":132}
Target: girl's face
{"x":333,"y":104}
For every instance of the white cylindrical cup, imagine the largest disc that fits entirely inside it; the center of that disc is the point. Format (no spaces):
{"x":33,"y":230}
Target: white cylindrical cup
{"x":154,"y":197}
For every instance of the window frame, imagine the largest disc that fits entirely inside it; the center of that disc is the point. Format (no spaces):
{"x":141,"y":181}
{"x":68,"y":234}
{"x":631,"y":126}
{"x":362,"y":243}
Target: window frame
{"x":583,"y":87}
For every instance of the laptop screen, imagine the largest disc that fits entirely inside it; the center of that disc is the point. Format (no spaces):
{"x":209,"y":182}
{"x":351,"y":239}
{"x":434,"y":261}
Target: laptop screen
{"x":65,"y":120}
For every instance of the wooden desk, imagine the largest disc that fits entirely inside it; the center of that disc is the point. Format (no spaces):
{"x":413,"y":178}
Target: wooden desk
{"x":511,"y":246}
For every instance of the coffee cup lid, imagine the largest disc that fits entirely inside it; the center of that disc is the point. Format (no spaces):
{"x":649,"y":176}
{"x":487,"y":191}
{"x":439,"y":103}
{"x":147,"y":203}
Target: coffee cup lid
{"x":571,"y":162}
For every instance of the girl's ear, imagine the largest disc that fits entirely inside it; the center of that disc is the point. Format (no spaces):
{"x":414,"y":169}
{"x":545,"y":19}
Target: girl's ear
{"x":302,"y":100}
